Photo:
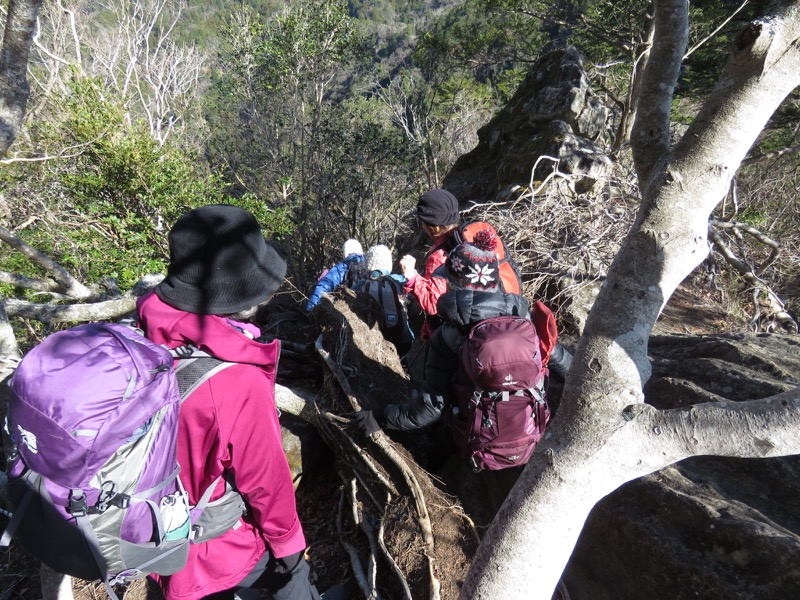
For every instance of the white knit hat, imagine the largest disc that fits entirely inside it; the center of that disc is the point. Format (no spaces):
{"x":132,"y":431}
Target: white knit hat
{"x":352,"y":247}
{"x":379,"y":257}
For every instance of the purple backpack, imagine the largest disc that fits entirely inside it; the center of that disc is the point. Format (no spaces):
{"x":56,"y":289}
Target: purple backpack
{"x":93,"y":416}
{"x":500,"y":410}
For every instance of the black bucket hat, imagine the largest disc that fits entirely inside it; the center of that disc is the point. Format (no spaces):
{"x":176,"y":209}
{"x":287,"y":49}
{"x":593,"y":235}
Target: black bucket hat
{"x":220,"y":262}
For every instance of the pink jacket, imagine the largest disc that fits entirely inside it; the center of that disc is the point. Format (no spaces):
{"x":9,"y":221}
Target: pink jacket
{"x":229,"y":424}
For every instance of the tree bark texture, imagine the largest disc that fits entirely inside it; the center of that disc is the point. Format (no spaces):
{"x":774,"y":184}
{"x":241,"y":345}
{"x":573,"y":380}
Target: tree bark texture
{"x":14,"y":88}
{"x":602,"y":436}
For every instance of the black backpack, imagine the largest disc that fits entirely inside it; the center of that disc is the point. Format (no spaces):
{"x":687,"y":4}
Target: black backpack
{"x":387,"y":295}
{"x":356,"y":271}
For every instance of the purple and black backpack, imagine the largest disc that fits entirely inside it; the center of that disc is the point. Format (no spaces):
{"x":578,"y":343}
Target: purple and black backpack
{"x":93,"y":417}
{"x":500,"y":408}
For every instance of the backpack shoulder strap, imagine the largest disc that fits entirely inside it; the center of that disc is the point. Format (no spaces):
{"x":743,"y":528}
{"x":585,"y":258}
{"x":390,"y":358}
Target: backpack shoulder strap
{"x":389,"y":301}
{"x":195,"y":367}
{"x":16,"y":516}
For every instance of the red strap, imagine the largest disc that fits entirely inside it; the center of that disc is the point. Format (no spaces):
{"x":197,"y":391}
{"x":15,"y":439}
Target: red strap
{"x":545,"y":323}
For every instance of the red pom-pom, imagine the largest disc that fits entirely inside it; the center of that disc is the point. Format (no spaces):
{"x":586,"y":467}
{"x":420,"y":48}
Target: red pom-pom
{"x":485,"y":240}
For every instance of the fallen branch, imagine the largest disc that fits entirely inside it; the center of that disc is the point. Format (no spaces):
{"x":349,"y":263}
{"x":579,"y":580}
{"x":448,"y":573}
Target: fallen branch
{"x":380,"y":440}
{"x":69,"y":285}
{"x":102,"y":310}
{"x":777,"y":310}
{"x":366,"y":527}
{"x":355,"y":559}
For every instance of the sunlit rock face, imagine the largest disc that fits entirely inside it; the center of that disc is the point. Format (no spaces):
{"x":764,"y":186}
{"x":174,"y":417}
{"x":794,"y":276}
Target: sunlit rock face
{"x":554,"y":113}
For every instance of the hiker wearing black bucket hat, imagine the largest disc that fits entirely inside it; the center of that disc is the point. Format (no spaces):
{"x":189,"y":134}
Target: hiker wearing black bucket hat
{"x":221,"y":269}
{"x":219,"y":262}
{"x":438,"y":214}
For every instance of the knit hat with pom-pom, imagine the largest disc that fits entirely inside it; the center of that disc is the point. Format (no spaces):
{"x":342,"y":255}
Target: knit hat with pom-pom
{"x":473,"y":265}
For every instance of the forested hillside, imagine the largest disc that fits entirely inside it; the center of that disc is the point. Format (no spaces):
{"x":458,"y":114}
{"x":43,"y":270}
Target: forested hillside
{"x":623,"y":150}
{"x":328,"y":118}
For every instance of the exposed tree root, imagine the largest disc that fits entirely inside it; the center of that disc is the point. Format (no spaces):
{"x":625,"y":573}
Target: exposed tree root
{"x":776,"y":315}
{"x":386,"y":446}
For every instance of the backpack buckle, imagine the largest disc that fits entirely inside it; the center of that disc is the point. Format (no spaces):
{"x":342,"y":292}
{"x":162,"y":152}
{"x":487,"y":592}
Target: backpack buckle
{"x":77,"y":504}
{"x":106,"y":497}
{"x":122,"y":501}
{"x":183,"y":351}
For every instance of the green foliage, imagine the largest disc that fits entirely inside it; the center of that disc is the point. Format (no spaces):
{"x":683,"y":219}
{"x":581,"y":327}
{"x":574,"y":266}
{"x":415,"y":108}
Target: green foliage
{"x":121,"y":191}
{"x":709,"y":52}
{"x":480,"y":35}
{"x":305,"y":44}
{"x":278,"y":122}
{"x":368,"y":174}
{"x":203,"y":22}
{"x":752,"y":216}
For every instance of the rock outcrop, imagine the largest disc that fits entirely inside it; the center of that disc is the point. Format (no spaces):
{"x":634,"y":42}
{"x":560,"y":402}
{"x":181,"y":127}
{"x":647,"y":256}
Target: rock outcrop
{"x":553,"y":113}
{"x":708,"y":527}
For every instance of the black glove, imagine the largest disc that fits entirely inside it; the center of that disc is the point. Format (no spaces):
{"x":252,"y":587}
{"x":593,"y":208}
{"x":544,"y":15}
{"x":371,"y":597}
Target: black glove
{"x":287,"y":577}
{"x":560,"y":361}
{"x":368,"y":421}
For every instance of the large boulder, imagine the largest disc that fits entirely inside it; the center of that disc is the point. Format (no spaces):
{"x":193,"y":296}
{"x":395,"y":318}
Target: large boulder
{"x":708,"y":527}
{"x":554,"y":113}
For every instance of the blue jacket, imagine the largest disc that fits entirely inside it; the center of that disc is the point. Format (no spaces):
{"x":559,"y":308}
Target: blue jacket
{"x":332,"y":279}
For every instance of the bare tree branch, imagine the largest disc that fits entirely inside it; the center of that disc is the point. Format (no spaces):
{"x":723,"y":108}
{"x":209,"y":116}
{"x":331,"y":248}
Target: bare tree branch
{"x":716,"y":31}
{"x":754,"y":160}
{"x":756,"y":428}
{"x":69,"y":285}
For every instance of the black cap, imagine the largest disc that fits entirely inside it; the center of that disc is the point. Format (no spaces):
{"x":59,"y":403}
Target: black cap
{"x":438,"y":207}
{"x":220,"y":262}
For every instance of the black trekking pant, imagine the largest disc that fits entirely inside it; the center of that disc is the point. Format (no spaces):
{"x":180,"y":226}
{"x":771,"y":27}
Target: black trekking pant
{"x":285,"y":579}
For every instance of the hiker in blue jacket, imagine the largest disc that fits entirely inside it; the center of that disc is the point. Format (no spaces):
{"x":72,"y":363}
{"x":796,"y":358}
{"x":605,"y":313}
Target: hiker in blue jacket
{"x":346,"y":272}
{"x":379,"y":262}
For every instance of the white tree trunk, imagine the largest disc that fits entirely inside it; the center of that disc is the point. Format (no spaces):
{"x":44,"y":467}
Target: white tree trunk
{"x":603,"y":435}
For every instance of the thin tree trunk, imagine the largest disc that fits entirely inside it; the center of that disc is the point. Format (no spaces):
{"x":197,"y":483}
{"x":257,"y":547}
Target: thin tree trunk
{"x":14,"y":88}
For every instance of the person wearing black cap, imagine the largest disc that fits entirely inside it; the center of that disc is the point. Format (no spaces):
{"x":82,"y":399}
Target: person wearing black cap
{"x":470,"y":272}
{"x":437,"y":211}
{"x":221,"y":269}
